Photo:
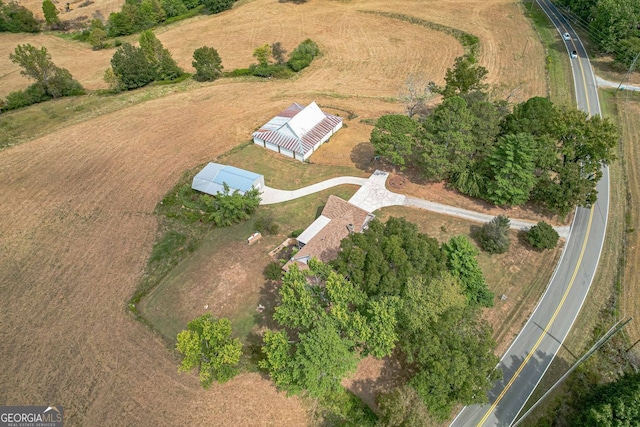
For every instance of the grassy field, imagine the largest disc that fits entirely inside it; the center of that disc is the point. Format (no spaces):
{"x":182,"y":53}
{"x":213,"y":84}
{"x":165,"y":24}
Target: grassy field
{"x":81,"y":188}
{"x":225,"y":274}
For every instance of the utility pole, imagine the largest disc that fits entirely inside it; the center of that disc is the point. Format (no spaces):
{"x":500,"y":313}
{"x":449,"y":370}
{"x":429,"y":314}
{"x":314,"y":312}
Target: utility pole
{"x":606,"y":337}
{"x":629,"y":70}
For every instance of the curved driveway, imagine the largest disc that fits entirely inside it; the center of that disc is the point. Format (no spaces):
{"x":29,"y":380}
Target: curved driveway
{"x":530,"y":355}
{"x":374,"y":195}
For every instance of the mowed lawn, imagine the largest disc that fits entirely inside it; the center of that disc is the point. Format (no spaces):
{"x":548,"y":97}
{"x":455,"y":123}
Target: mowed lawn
{"x":78,"y":225}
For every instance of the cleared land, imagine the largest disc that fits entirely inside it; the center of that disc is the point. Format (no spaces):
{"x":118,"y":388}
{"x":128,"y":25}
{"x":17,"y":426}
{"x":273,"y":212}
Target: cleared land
{"x":77,"y":224}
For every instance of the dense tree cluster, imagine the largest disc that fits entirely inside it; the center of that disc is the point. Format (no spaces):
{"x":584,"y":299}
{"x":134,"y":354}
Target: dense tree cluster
{"x":538,"y":152}
{"x":50,"y":81}
{"x":207,"y":346}
{"x":326,"y":326}
{"x":15,"y":18}
{"x":133,"y":67}
{"x":271,"y":59}
{"x":391,"y":287}
{"x":612,"y":405}
{"x":140,"y":15}
{"x":614,"y":25}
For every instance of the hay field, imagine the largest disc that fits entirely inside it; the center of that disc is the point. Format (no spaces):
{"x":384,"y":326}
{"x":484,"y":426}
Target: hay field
{"x":77,"y":223}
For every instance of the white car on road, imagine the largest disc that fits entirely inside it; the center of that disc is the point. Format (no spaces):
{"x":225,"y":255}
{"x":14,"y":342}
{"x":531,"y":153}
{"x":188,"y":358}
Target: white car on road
{"x":566,"y":36}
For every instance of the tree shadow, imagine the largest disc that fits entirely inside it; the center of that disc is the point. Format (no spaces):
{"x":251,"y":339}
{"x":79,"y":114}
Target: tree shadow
{"x":362,"y":156}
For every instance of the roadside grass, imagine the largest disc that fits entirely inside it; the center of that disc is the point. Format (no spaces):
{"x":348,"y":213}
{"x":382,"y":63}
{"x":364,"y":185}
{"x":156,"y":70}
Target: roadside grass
{"x":37,"y":120}
{"x":560,"y":86}
{"x":602,"y":306}
{"x":282,"y":172}
{"x":225,"y":274}
{"x":521,"y":274}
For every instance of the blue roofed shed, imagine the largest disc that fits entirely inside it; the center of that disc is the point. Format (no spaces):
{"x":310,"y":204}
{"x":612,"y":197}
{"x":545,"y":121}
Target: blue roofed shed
{"x":212,"y":178}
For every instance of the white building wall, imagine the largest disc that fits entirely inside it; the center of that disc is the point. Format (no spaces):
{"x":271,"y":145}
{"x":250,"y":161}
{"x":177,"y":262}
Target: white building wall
{"x":272,"y":147}
{"x":286,"y":152}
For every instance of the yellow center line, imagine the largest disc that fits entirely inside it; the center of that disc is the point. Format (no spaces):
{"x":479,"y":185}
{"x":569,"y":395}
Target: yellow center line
{"x":546,"y":329}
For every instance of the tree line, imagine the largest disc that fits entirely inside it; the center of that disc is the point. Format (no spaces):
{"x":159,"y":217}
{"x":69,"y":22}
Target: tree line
{"x":614,"y":25}
{"x":537,"y":152}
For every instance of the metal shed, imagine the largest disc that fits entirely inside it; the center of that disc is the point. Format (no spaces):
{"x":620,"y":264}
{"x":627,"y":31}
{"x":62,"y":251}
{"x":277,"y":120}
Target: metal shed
{"x":212,"y":178}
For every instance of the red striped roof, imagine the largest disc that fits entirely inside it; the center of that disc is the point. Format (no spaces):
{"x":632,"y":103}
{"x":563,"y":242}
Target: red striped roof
{"x":308,"y":140}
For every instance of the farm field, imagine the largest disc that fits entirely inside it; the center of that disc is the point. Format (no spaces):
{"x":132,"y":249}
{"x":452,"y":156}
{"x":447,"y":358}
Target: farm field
{"x":77,"y":222}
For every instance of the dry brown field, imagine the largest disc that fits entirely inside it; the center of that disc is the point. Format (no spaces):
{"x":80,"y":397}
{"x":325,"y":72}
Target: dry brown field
{"x":77,"y":224}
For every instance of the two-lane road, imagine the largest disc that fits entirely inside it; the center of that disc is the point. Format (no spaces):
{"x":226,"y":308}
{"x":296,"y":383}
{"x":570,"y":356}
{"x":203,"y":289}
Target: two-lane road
{"x":531,"y":353}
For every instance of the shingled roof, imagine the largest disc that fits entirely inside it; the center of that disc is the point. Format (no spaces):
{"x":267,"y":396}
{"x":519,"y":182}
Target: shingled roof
{"x":338,"y":217}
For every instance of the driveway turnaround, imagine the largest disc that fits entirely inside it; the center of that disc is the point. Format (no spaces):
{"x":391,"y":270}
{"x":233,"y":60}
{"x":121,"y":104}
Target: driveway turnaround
{"x":374,"y":195}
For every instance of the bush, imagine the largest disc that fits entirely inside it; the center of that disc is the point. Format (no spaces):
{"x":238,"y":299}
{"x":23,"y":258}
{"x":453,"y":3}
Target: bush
{"x":494,"y":235}
{"x":296,"y":233}
{"x":302,"y":55}
{"x":217,"y":6}
{"x":542,"y":236}
{"x":15,"y":18}
{"x":267,"y":225}
{"x":239,"y":72}
{"x":23,"y":98}
{"x":207,"y":63}
{"x":273,"y":271}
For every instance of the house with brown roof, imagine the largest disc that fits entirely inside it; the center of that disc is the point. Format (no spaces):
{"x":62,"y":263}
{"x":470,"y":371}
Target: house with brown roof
{"x":321,"y":240}
{"x":297,"y":131}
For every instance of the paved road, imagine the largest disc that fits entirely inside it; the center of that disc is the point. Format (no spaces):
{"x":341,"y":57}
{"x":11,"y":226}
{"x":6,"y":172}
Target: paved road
{"x":530,"y":355}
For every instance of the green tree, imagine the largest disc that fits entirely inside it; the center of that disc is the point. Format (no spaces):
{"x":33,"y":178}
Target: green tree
{"x":131,"y":67}
{"x":97,"y":38}
{"x":207,"y":63}
{"x":279,"y":360}
{"x":616,"y":404}
{"x":207,"y":345}
{"x":173,"y":7}
{"x":447,"y":144}
{"x":217,"y":6}
{"x":303,"y":54}
{"x":273,"y":271}
{"x":263,"y":55}
{"x":424,"y":301}
{"x":50,"y":13}
{"x":164,"y":66}
{"x":542,"y":236}
{"x":323,"y":359}
{"x":465,"y":77}
{"x":393,"y":137}
{"x":463,"y":264}
{"x":455,"y":362}
{"x":627,"y":50}
{"x":230,"y":208}
{"x":512,"y":164}
{"x":494,"y":235}
{"x":299,"y":306}
{"x":402,"y":407}
{"x":382,"y":259}
{"x":36,"y":64}
{"x":15,"y":18}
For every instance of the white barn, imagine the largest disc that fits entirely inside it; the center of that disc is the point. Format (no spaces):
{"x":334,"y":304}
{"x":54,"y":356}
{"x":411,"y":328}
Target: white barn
{"x":212,"y":178}
{"x":297,"y":131}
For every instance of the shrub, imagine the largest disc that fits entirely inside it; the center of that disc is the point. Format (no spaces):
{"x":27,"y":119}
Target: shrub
{"x":239,"y":72}
{"x":494,"y":235}
{"x":302,"y":55}
{"x":23,"y":98}
{"x":296,"y":233}
{"x":267,"y":225}
{"x":273,"y":271}
{"x":207,"y":63}
{"x":542,"y":236}
{"x":15,"y":18}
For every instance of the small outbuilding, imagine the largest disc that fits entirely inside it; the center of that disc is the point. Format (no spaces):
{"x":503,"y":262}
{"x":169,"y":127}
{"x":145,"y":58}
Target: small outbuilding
{"x":212,"y":178}
{"x":297,"y":131}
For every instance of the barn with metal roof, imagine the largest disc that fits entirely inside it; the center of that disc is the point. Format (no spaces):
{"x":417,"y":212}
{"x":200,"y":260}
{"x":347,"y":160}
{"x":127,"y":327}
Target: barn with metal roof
{"x":298,"y":131}
{"x":212,"y":178}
